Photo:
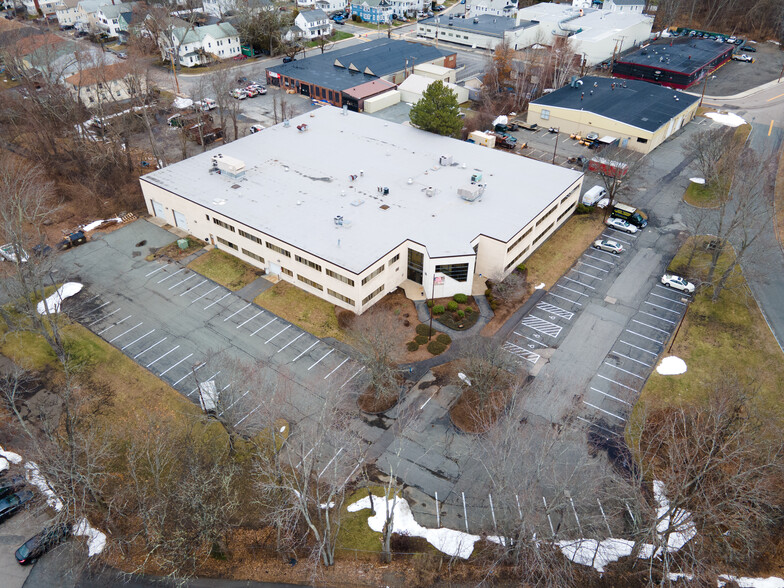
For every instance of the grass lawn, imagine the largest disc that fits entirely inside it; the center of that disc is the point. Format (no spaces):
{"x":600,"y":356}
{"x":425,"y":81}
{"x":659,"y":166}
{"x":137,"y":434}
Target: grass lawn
{"x":335,"y":36}
{"x":305,"y":310}
{"x":698,"y":195}
{"x":225,"y":269}
{"x":375,"y":27}
{"x":729,"y":338}
{"x":173,"y":251}
{"x":779,"y":199}
{"x":355,"y":533}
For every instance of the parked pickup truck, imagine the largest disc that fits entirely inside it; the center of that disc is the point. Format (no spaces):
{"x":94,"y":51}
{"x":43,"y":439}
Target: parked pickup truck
{"x":526,"y":126}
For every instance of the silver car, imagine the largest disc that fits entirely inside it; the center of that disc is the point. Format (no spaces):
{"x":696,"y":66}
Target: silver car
{"x":608,"y":245}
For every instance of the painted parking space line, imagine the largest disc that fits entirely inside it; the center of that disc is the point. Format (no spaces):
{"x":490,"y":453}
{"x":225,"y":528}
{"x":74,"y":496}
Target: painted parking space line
{"x":359,"y":371}
{"x":181,"y":282}
{"x":104,"y":317}
{"x":197,"y":368}
{"x":617,"y":383}
{"x":161,"y":281}
{"x":607,"y":261}
{"x":154,"y":271}
{"x":194,"y":287}
{"x":264,"y":325}
{"x":212,"y":377}
{"x":623,"y":370}
{"x":218,"y":300}
{"x":671,"y":291}
{"x":631,"y":359}
{"x":322,"y":358}
{"x":150,"y":347}
{"x":596,"y":267}
{"x":236,"y":312}
{"x":250,"y":319}
{"x":661,"y":318}
{"x":287,"y":327}
{"x":564,"y":298}
{"x":643,"y":336}
{"x":639,"y":348}
{"x":586,"y":274}
{"x":592,"y":424}
{"x":137,"y":340}
{"x":121,"y":321}
{"x":290,"y":342}
{"x":337,"y":368}
{"x":247,"y":415}
{"x":125,"y":332}
{"x":162,"y":356}
{"x":572,"y":290}
{"x":578,"y":282}
{"x":96,"y":308}
{"x":678,"y":312}
{"x":175,"y":365}
{"x":668,"y":299}
{"x":529,"y":339}
{"x":541,"y":325}
{"x":205,"y":294}
{"x":233,"y":403}
{"x":521,"y":352}
{"x":650,"y":326}
{"x":556,"y":310}
{"x":605,"y":411}
{"x":610,"y":396}
{"x":614,"y":235}
{"x":308,"y":349}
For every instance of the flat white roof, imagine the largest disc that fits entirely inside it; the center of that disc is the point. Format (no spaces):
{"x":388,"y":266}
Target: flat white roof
{"x":296,"y":183}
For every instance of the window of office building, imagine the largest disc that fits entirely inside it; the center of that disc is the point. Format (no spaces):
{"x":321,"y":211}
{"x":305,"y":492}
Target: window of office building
{"x":252,"y":255}
{"x":373,"y":294}
{"x":220,"y":223}
{"x":369,"y":277}
{"x":456,"y":271}
{"x":307,"y":262}
{"x":316,"y":285}
{"x":339,"y":296}
{"x":278,"y":249}
{"x":251,"y":237}
{"x":227,"y":243}
{"x":340,"y":277}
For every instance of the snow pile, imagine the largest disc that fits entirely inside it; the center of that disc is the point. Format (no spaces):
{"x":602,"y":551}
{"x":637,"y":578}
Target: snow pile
{"x":539,"y":286}
{"x":700,"y":181}
{"x":53,"y":302}
{"x":501,"y":120}
{"x":3,"y":464}
{"x":772,"y":582}
{"x":182,"y":103}
{"x":36,"y":479}
{"x":95,"y":224}
{"x":598,"y":554}
{"x":96,"y":541}
{"x":671,"y":366}
{"x":681,"y":524}
{"x":447,"y":541}
{"x":10,"y":456}
{"x":729,"y":119}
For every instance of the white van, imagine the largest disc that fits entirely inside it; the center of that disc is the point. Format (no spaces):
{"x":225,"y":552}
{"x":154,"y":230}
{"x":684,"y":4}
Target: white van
{"x":593,"y":195}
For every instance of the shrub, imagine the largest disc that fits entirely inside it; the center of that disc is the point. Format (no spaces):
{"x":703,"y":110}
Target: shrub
{"x":468,"y":310}
{"x":430,"y":303}
{"x":451,"y":306}
{"x":423,"y":329}
{"x":460,"y":314}
{"x":493,"y":305}
{"x":444,"y":339}
{"x":522,"y":268}
{"x":436,"y":348}
{"x":583,"y":209}
{"x":438,"y":309}
{"x":488,"y":293}
{"x":460,"y":298}
{"x":345,"y":319}
{"x":421,"y":339}
{"x":412,"y":345}
{"x":406,"y":323}
{"x":355,"y":17}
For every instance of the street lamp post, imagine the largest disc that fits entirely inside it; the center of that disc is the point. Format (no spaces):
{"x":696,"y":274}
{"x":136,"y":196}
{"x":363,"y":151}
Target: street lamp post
{"x":557,"y":132}
{"x":432,"y":302}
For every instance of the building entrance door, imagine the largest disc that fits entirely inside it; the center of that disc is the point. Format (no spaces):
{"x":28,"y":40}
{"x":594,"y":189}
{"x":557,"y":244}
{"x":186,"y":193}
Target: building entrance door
{"x":158,"y":209}
{"x":415,"y":264}
{"x":180,"y":220}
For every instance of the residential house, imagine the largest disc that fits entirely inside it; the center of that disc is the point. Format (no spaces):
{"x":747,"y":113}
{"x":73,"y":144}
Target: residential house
{"x":104,"y":83}
{"x":313,"y":23}
{"x":306,"y":3}
{"x":507,"y":8}
{"x":375,"y":11}
{"x":42,"y":7}
{"x":221,"y":8}
{"x":54,"y":57}
{"x":67,"y":13}
{"x":407,"y":8}
{"x":330,"y":6}
{"x":86,"y":10}
{"x":203,"y":45}
{"x":107,"y":18}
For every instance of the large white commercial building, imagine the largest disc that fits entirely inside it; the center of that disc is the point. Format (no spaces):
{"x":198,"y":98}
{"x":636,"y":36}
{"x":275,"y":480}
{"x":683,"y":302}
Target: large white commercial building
{"x":348,"y":207}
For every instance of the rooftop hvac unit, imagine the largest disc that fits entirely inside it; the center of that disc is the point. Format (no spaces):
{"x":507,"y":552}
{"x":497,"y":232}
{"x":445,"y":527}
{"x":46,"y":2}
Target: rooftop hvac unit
{"x":383,"y":190}
{"x":231,"y":166}
{"x":476,"y":178}
{"x":339,"y":221}
{"x":430,"y":191}
{"x":445,"y":160}
{"x":471,"y":192}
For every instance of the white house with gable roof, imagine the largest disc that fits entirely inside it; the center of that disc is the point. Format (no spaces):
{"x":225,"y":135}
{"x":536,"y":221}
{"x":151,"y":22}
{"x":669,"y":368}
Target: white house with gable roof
{"x":313,"y":24}
{"x":202,"y":45}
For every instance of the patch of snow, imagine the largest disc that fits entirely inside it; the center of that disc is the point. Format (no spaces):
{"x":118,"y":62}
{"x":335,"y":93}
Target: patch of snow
{"x":771,"y":582}
{"x":539,"y":286}
{"x":671,"y":366}
{"x":730,"y":119}
{"x":681,"y":525}
{"x":501,"y":120}
{"x":326,"y":506}
{"x":774,"y":42}
{"x":665,"y":33}
{"x":590,"y":552}
{"x":95,"y":224}
{"x":53,"y":302}
{"x":96,"y":541}
{"x":449,"y":541}
{"x":678,"y":576}
{"x":283,"y":428}
{"x":463,"y":377}
{"x":10,"y":456}
{"x":700,"y":181}
{"x":182,"y":103}
{"x":3,"y":464}
{"x":36,"y":479}
{"x":538,"y":46}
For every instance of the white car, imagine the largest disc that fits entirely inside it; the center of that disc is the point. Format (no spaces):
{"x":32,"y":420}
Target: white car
{"x":678,"y":283}
{"x":621,"y":225}
{"x":256,"y":128}
{"x":206,"y":104}
{"x":239,"y":94}
{"x":608,"y":245}
{"x":743,"y":57}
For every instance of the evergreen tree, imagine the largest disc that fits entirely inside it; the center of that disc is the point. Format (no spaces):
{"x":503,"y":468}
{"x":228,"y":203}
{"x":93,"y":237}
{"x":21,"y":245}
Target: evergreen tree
{"x":437,"y":111}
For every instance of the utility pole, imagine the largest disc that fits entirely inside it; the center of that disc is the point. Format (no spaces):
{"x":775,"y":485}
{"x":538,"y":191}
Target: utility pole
{"x":704,"y":86}
{"x":781,"y":74}
{"x":174,"y":69}
{"x":557,"y":132}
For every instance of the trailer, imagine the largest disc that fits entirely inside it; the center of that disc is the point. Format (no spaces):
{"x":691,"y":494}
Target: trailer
{"x":607,"y":167}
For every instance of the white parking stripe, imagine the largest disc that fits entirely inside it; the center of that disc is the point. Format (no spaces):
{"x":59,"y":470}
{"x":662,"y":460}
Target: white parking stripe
{"x":667,"y":297}
{"x":618,"y":383}
{"x":520,"y":352}
{"x":308,"y":349}
{"x":564,"y":298}
{"x":290,"y":342}
{"x":264,"y":325}
{"x":596,"y":267}
{"x":162,"y":356}
{"x":336,"y":369}
{"x":121,"y":321}
{"x":207,"y":380}
{"x":541,"y":325}
{"x":154,"y":271}
{"x":175,"y":365}
{"x":322,"y":357}
{"x":614,"y":235}
{"x":150,"y":347}
{"x":610,"y":396}
{"x":125,"y":332}
{"x":96,"y":308}
{"x":197,"y":368}
{"x":171,"y":275}
{"x":572,"y":290}
{"x":203,"y":295}
{"x":605,"y":411}
{"x":643,"y":336}
{"x":640,"y":348}
{"x":678,"y":312}
{"x":247,"y":415}
{"x":182,"y":281}
{"x":591,"y":423}
{"x":650,"y":326}
{"x":623,"y":370}
{"x":586,"y":274}
{"x":233,"y":403}
{"x":192,"y":289}
{"x":600,"y":259}
{"x":218,"y":300}
{"x":104,"y":317}
{"x":250,"y":319}
{"x":236,"y":312}
{"x":578,"y":282}
{"x":276,"y":334}
{"x":661,"y":318}
{"x":137,"y":340}
{"x":556,"y":310}
{"x":632,"y":359}
{"x":352,"y":377}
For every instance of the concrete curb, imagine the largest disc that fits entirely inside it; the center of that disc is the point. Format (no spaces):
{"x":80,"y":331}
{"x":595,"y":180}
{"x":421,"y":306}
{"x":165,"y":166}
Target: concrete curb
{"x":743,"y":94}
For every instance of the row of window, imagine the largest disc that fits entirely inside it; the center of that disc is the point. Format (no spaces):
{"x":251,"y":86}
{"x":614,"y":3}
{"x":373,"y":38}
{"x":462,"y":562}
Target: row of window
{"x":309,"y":282}
{"x":543,"y":233}
{"x":340,"y":277}
{"x":340,"y":296}
{"x":570,"y":194}
{"x":567,"y":211}
{"x":220,"y":223}
{"x":393,"y":260}
{"x":252,"y":255}
{"x":519,"y":239}
{"x":544,"y":218}
{"x":372,"y":275}
{"x":227,"y":243}
{"x":373,"y":294}
{"x":517,"y":258}
{"x":251,"y":237}
{"x":278,"y":249}
{"x":307,"y":262}
{"x":456,"y":271}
